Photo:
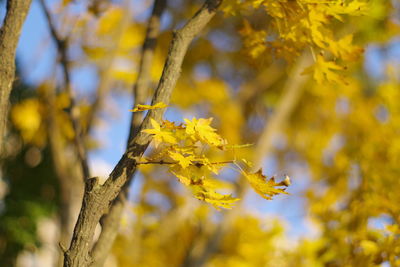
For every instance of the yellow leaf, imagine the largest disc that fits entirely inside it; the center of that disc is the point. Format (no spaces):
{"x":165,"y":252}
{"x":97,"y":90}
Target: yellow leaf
{"x":183,"y":161}
{"x":200,"y":129}
{"x":132,"y":37}
{"x":345,"y":49}
{"x":204,"y":161}
{"x":27,"y":118}
{"x":189,"y":176}
{"x":94,"y":53}
{"x":110,"y":21}
{"x":148,"y":107}
{"x":216,"y":199}
{"x":267,"y":188}
{"x":325,"y":71}
{"x":159,"y":134}
{"x":253,"y":41}
{"x":183,"y":178}
{"x":217,"y":184}
{"x":369,"y":247}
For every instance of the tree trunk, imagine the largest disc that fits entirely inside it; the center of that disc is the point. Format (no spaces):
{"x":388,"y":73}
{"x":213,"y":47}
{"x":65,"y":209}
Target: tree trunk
{"x":9,"y":36}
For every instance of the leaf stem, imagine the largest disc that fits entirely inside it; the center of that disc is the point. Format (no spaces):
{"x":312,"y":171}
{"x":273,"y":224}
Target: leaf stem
{"x":195,"y":163}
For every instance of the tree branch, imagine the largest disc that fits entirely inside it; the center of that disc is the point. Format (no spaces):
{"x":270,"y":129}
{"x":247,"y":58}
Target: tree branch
{"x":9,"y":37}
{"x":110,"y":222}
{"x":73,"y":111}
{"x":142,"y":85}
{"x":68,"y":173}
{"x":97,"y":198}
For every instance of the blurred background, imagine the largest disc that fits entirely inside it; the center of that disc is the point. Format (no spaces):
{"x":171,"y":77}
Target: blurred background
{"x":338,"y":142}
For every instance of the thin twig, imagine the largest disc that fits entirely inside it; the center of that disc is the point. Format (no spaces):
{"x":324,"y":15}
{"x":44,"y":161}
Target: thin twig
{"x":62,"y":247}
{"x":73,"y":111}
{"x":67,"y":172}
{"x":195,"y":163}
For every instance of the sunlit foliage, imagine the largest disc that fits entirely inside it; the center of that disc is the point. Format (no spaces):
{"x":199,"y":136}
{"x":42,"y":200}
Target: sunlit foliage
{"x":185,"y":211}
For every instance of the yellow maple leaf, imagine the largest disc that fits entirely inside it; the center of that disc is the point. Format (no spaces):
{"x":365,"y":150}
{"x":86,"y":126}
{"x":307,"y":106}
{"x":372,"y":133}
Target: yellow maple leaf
{"x":159,"y":134}
{"x":201,"y":130}
{"x":213,"y":183}
{"x":345,"y":49}
{"x":148,"y":107}
{"x":253,"y":40}
{"x":267,"y":188}
{"x":326,"y":71}
{"x":183,"y":161}
{"x":171,"y":125}
{"x":354,"y":8}
{"x":191,"y":175}
{"x":214,"y":198}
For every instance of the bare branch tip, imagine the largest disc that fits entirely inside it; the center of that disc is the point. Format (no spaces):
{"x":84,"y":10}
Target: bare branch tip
{"x":62,"y":247}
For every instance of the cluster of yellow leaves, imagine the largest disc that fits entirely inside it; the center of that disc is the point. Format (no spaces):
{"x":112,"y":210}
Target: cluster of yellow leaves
{"x":254,"y":40}
{"x":251,"y":242}
{"x":324,"y":70}
{"x":183,"y":148}
{"x":352,"y":127}
{"x":113,"y":36}
{"x":300,"y":24}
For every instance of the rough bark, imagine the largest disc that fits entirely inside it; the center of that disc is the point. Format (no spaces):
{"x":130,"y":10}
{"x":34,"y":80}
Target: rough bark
{"x":9,"y":37}
{"x":98,"y":198}
{"x":110,"y":222}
